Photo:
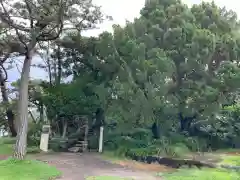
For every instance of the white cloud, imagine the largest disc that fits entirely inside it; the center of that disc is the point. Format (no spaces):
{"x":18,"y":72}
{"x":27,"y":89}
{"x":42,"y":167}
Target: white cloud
{"x":120,"y":10}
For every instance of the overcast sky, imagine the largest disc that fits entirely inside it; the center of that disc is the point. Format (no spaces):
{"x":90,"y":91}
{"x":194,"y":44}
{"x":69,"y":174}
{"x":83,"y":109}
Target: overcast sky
{"x":120,"y":10}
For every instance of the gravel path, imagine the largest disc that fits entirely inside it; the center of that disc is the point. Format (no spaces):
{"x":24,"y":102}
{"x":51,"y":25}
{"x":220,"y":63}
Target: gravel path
{"x":80,"y":166}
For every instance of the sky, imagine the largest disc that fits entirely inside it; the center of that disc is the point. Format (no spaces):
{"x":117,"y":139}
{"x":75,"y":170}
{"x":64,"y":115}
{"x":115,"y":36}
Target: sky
{"x":120,"y":10}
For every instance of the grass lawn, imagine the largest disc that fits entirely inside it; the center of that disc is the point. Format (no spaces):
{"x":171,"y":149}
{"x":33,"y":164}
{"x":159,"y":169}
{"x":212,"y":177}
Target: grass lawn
{"x":11,"y":169}
{"x":6,"y":149}
{"x":106,"y":178}
{"x":231,"y":160}
{"x":205,"y":174}
{"x":112,"y":157}
{"x":7,"y":145}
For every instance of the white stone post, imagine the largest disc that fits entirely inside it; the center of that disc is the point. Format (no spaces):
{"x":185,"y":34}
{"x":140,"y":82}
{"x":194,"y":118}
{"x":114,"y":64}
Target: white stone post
{"x":101,"y":140}
{"x":44,"y":138}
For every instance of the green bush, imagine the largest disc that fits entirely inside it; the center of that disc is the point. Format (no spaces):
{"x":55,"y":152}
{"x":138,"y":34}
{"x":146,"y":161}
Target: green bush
{"x":141,"y":134}
{"x":121,"y":151}
{"x":33,"y":150}
{"x":57,"y":144}
{"x":178,"y":150}
{"x":143,"y":152}
{"x":93,"y":142}
{"x":34,"y":134}
{"x":33,"y":141}
{"x":116,"y":142}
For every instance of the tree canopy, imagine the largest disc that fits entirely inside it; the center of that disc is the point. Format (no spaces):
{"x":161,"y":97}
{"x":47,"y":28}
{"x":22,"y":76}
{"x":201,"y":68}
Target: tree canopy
{"x":176,"y":66}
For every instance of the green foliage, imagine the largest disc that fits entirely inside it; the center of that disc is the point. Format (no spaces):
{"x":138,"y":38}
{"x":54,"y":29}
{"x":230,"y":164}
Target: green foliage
{"x":67,"y":100}
{"x":57,"y":144}
{"x":27,"y":170}
{"x":123,"y":141}
{"x":174,"y":65}
{"x":33,"y":150}
{"x":34,"y":134}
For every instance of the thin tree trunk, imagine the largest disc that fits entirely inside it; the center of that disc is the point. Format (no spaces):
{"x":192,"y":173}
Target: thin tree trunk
{"x":49,"y":66}
{"x":33,"y":118}
{"x":59,"y":66}
{"x":41,"y":112}
{"x":65,"y":125}
{"x":21,"y":143}
{"x":9,"y":111}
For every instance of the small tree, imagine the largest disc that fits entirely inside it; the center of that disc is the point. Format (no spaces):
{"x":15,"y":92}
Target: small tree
{"x":35,"y":21}
{"x":9,"y":48}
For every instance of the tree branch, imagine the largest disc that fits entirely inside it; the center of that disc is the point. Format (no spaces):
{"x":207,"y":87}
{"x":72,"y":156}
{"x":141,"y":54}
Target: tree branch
{"x":7,"y":19}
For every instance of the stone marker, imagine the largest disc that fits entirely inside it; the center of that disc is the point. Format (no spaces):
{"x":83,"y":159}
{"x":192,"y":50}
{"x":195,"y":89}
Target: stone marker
{"x":44,"y":138}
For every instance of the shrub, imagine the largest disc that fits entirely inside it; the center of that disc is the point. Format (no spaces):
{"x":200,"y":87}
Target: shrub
{"x":116,"y":142}
{"x":57,"y":144}
{"x":33,"y":150}
{"x":93,"y":142}
{"x":33,"y":141}
{"x":178,"y":150}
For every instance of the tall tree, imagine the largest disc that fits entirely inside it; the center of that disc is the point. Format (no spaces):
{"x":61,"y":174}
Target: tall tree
{"x":201,"y":43}
{"x":41,"y":21}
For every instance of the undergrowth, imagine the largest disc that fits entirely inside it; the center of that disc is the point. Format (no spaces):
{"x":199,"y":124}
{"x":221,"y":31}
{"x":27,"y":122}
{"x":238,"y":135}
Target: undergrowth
{"x":7,"y":146}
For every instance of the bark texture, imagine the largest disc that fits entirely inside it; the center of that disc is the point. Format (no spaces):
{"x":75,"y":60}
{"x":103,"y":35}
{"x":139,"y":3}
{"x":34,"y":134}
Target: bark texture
{"x":21,"y":143}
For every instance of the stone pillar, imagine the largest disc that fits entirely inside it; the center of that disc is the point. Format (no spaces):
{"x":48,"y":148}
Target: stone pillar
{"x":44,"y":138}
{"x":101,"y":139}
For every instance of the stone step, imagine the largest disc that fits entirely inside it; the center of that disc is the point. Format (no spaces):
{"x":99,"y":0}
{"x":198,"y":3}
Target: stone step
{"x":74,"y":149}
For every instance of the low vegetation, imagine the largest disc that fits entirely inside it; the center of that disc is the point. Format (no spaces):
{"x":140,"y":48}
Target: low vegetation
{"x":205,"y":174}
{"x":12,"y":169}
{"x":7,"y":146}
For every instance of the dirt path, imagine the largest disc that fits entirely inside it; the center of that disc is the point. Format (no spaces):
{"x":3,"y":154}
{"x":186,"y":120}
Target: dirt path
{"x":80,"y":166}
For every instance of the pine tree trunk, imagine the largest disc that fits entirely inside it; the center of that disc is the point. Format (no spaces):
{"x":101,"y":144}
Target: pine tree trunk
{"x":21,"y":143}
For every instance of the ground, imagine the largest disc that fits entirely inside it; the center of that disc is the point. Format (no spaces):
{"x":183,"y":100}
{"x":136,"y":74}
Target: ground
{"x":81,"y":166}
{"x":87,"y":166}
